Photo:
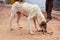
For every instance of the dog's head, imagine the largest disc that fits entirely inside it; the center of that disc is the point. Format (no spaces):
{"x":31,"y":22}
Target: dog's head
{"x":43,"y":25}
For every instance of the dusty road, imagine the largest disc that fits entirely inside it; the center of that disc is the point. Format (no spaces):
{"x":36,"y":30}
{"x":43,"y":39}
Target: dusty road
{"x":22,"y":34}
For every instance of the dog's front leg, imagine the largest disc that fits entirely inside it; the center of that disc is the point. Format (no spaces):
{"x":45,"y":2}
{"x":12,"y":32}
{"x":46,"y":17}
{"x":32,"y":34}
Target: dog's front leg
{"x":35,"y":23}
{"x":30,"y":27}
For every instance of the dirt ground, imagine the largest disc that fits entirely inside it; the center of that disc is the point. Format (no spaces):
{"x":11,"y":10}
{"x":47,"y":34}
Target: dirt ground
{"x":23,"y":34}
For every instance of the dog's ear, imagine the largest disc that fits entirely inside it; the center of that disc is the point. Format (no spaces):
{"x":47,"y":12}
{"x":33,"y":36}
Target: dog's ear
{"x":43,"y":23}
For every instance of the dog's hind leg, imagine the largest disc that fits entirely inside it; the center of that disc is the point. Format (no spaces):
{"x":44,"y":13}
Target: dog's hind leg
{"x":18,"y":18}
{"x":11,"y":18}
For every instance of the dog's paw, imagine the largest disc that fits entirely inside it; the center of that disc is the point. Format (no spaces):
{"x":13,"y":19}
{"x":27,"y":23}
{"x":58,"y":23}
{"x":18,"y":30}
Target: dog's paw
{"x":11,"y":29}
{"x":31,"y":33}
{"x":20,"y":27}
{"x":39,"y":30}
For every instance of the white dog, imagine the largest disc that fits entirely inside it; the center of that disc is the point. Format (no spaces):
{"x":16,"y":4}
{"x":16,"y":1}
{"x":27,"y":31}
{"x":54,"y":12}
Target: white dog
{"x":33,"y":12}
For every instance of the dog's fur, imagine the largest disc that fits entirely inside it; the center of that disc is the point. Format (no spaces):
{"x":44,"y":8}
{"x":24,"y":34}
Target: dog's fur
{"x":33,"y":12}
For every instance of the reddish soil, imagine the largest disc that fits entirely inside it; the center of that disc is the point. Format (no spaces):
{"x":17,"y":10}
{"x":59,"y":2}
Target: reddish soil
{"x":23,"y":34}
